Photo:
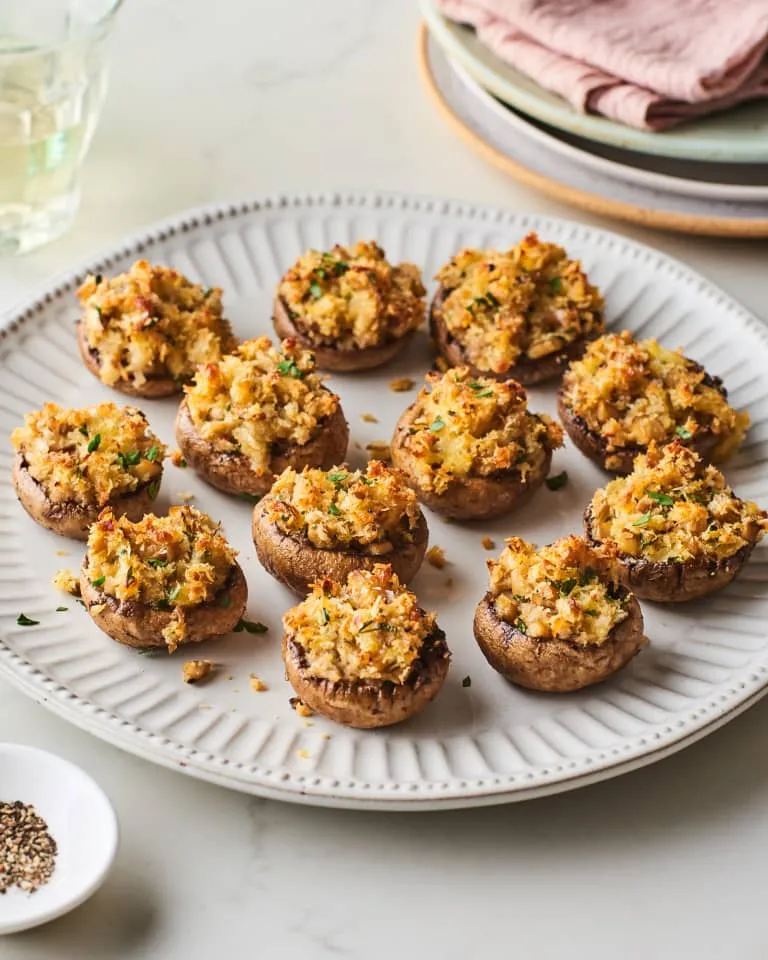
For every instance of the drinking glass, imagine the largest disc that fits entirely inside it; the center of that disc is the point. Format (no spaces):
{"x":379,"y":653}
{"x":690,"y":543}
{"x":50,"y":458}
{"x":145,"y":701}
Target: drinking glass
{"x":52,"y":83}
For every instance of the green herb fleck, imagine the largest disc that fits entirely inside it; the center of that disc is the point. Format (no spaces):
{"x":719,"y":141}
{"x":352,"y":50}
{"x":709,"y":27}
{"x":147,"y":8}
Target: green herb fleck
{"x":556,"y":284}
{"x":337,"y":478}
{"x":83,"y":429}
{"x":98,"y":581}
{"x":566,"y":586}
{"x":334,"y":510}
{"x":288,"y":368}
{"x":153,"y":488}
{"x":93,"y":443}
{"x":591,"y":613}
{"x":157,"y":562}
{"x":663,"y":498}
{"x":683,"y":433}
{"x":250,"y":626}
{"x":466,"y":682}
{"x":321,"y":272}
{"x":129,"y":459}
{"x":340,"y":267}
{"x":559,"y":480}
{"x":61,"y":609}
{"x":24,"y":621}
{"x":642,"y":521}
{"x":520,"y":624}
{"x":316,"y":290}
{"x":149,"y":651}
{"x":173,"y":593}
{"x":324,"y":616}
{"x":437,"y":424}
{"x":152,"y":453}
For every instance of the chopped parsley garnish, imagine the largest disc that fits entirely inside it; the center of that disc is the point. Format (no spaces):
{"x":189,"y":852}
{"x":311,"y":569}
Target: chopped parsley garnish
{"x":588,"y":576}
{"x":98,"y":581}
{"x":437,"y":424}
{"x":559,"y":480}
{"x":173,"y":593}
{"x":288,"y":368}
{"x":250,"y":626}
{"x":83,"y":429}
{"x":663,"y":498}
{"x":324,"y":617}
{"x":250,"y":497}
{"x":520,"y":625}
{"x":321,"y":272}
{"x":153,"y":488}
{"x":566,"y":586}
{"x":337,"y":478}
{"x":152,"y":454}
{"x":157,"y":562}
{"x":487,"y":301}
{"x":97,"y":279}
{"x":642,"y":521}
{"x":466,"y":682}
{"x":24,"y":621}
{"x":591,"y":613}
{"x":340,"y":267}
{"x":61,"y":609}
{"x":316,"y":290}
{"x":556,"y":284}
{"x":129,"y":459}
{"x":480,"y":389}
{"x":93,"y":443}
{"x":683,"y":433}
{"x":334,"y":510}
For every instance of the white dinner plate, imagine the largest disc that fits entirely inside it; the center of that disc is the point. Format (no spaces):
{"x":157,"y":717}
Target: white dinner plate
{"x":482,"y":740}
{"x":655,"y":173}
{"x":527,"y":153}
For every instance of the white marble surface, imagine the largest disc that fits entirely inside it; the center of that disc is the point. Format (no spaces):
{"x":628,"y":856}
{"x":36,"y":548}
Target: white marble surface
{"x":246,"y":97}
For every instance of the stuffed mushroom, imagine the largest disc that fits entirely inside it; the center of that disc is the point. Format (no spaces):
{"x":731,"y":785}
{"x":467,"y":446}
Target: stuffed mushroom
{"x":163,"y":581}
{"x":70,"y":464}
{"x":470,"y":448}
{"x":255,"y":412}
{"x":318,"y":524}
{"x":678,"y":529}
{"x":623,"y":394}
{"x":350,"y":306}
{"x":557,"y":619}
{"x":518,"y":314}
{"x":363,"y":652}
{"x":145,"y":331}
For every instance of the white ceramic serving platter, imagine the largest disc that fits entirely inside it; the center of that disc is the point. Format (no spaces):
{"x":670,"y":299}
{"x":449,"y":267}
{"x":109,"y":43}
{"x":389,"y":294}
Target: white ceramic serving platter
{"x":528,"y":154}
{"x":739,"y":135}
{"x":487,"y":742}
{"x":625,"y":165}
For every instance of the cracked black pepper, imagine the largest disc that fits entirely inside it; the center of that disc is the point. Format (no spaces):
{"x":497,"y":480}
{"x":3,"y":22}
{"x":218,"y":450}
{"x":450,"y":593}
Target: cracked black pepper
{"x":27,"y":850}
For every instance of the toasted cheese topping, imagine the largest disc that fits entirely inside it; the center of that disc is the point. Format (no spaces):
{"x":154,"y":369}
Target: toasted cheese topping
{"x":523,"y":303}
{"x":372,"y":509}
{"x":152,"y":321}
{"x":259,"y":396}
{"x":634,"y":392}
{"x":91,"y":455}
{"x":675,"y":508}
{"x":369,"y":628}
{"x":352,"y":297}
{"x":564,"y":591}
{"x":471,"y":426}
{"x":171,"y":563}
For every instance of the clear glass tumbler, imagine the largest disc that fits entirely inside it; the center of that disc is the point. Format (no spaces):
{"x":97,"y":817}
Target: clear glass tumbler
{"x":52,"y":83}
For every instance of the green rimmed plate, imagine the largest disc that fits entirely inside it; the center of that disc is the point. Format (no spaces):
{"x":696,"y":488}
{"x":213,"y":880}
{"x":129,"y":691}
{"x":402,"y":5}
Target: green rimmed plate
{"x":739,"y":135}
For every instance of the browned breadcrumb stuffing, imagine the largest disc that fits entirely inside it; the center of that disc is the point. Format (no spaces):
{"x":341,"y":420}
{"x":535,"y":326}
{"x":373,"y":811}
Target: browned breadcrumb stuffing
{"x":401,"y":384}
{"x":379,"y":450}
{"x":300,"y":707}
{"x":194,"y":671}
{"x":436,"y":557}
{"x":488,"y":543}
{"x":66,"y":581}
{"x":257,"y":684}
{"x":369,"y":418}
{"x":177,"y":459}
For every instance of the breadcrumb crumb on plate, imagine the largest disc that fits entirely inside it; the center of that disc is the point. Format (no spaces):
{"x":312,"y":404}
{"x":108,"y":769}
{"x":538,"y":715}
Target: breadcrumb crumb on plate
{"x":401,"y":384}
{"x":488,"y":543}
{"x":369,"y":418}
{"x":194,"y":671}
{"x":436,"y":557}
{"x":257,"y":684}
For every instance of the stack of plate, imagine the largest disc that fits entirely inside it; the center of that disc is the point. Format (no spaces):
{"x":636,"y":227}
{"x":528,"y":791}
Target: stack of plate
{"x":709,"y":176}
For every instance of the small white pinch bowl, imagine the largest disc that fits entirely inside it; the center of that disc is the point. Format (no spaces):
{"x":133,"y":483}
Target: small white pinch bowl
{"x":80,"y":819}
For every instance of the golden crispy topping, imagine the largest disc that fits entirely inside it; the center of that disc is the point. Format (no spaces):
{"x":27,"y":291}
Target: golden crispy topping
{"x":170,"y":563}
{"x":352,"y":298}
{"x":488,"y":543}
{"x":565,"y":591}
{"x":257,"y":684}
{"x":372,"y":509}
{"x":89,"y":456}
{"x":370,"y":628}
{"x":259,"y":396}
{"x":526,"y":302}
{"x":194,"y":671}
{"x":66,"y":581}
{"x":152,"y":321}
{"x":632,"y":392}
{"x":300,"y":707}
{"x":401,"y":384}
{"x":436,"y":557}
{"x":675,"y":508}
{"x":471,"y":426}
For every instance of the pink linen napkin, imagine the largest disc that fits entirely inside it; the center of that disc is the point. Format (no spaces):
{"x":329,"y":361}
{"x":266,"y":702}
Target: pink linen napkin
{"x":649,"y":64}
